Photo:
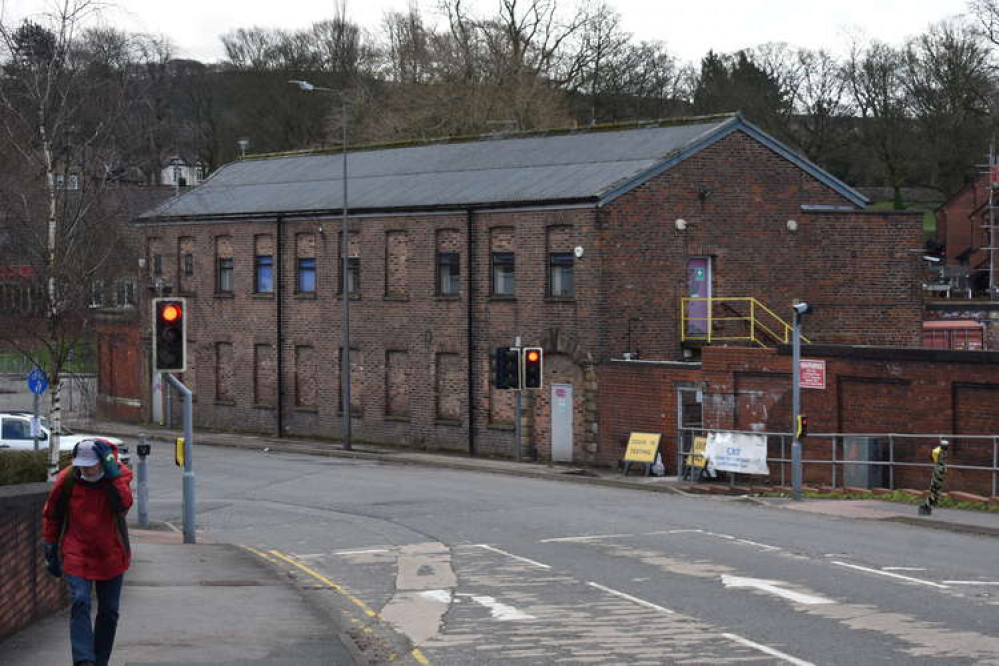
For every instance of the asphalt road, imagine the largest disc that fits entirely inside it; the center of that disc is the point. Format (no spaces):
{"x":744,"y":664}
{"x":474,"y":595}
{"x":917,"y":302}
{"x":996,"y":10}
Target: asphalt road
{"x":478,"y":568}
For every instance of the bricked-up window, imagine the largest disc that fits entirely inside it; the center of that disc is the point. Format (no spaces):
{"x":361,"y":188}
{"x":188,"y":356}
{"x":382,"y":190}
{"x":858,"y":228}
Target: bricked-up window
{"x":448,"y":273}
{"x":503,"y":275}
{"x":356,"y":382}
{"x":223,"y":372}
{"x":449,"y":387}
{"x":353,"y":268}
{"x":306,"y":376}
{"x":396,"y":264}
{"x":264,"y":375}
{"x":561,"y":283}
{"x":397,"y":384}
{"x":305,"y":253}
{"x":263,"y":265}
{"x":154,"y":252}
{"x":185,"y":263}
{"x":224,"y":265}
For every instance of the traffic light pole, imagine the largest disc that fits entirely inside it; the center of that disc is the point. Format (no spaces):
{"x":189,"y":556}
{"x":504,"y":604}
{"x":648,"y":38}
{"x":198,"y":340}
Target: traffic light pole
{"x":189,"y":507}
{"x":518,"y":408}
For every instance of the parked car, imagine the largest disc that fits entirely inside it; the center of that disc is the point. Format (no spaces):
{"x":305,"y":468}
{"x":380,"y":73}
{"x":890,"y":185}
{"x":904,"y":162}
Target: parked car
{"x":15,"y":435}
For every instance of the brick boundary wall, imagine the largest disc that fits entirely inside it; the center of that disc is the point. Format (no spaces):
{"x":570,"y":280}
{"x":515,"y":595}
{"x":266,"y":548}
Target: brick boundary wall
{"x":28,"y":592}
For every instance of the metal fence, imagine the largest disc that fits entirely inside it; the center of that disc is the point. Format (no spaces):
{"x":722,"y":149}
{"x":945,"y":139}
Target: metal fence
{"x":869,"y":460}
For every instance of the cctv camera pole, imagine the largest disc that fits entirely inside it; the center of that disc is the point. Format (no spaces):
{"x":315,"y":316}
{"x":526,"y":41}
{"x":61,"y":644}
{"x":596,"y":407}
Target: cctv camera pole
{"x":189,"y":511}
{"x":796,"y":405}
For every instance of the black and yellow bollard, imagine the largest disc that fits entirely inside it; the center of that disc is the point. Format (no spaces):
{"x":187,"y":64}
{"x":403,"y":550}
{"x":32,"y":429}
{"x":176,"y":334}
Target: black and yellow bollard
{"x":939,"y":456}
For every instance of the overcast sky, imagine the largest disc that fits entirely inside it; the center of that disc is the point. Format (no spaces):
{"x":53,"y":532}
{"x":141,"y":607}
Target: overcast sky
{"x":689,"y":27}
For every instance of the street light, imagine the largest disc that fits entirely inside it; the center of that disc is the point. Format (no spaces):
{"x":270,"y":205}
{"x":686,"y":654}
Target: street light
{"x":800,"y":310}
{"x":305,"y":86}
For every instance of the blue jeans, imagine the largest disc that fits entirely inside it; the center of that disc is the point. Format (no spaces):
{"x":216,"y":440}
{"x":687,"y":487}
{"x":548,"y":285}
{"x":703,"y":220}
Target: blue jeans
{"x":93,"y":642}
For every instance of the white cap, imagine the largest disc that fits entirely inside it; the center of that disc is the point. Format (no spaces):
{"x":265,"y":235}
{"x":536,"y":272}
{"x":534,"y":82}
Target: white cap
{"x":85,"y":455}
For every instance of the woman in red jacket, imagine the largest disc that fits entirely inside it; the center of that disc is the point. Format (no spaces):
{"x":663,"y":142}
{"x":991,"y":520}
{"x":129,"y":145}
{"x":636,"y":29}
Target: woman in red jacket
{"x":86,"y":511}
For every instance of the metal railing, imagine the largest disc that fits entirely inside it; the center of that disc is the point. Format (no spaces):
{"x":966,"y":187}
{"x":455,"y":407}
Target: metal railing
{"x":899,"y":457}
{"x":732,"y":319}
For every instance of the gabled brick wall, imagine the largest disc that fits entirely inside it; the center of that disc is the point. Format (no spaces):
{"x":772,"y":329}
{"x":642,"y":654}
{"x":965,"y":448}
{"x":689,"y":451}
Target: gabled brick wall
{"x":628,"y":284}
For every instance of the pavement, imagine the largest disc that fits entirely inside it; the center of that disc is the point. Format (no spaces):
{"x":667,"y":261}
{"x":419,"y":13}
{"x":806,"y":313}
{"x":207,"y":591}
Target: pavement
{"x":261,"y":613}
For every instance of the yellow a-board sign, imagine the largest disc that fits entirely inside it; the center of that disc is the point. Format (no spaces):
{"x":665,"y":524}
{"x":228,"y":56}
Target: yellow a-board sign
{"x":178,"y":452}
{"x":696,"y":457}
{"x":642,"y":447}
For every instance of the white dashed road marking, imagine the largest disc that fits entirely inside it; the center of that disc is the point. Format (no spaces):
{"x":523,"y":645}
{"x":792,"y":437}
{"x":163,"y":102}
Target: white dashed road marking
{"x":516,"y":557}
{"x":636,"y":600}
{"x":500,"y":611}
{"x":890,"y":574}
{"x":768,"y":650}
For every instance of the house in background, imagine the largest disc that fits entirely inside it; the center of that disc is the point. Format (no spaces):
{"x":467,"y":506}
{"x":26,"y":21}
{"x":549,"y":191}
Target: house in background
{"x":181,"y":171}
{"x":961,"y":311}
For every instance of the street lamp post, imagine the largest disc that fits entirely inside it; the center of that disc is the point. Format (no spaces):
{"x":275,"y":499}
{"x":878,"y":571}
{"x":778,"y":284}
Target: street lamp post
{"x":344,"y":270}
{"x":800,"y":309}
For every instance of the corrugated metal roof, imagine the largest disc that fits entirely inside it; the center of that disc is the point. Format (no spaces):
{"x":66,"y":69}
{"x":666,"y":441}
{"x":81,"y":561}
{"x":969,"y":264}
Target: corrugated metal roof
{"x":574,"y":166}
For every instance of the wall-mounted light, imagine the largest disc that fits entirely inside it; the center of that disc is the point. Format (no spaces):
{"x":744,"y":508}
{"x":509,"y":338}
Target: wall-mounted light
{"x":680,"y":224}
{"x":792,"y":225}
{"x":578,"y":251}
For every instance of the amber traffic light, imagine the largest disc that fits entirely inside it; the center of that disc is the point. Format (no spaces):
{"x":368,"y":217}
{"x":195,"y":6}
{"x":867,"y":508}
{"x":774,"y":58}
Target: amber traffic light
{"x":169,"y":335}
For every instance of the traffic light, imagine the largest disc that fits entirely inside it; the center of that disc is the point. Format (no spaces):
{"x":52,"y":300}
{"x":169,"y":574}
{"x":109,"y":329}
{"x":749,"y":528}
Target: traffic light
{"x":507,"y":368}
{"x":533,"y":361}
{"x":801,"y":428}
{"x":169,"y":335}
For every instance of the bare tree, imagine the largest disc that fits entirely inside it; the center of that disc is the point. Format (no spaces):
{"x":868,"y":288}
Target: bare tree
{"x":950,"y":85}
{"x":61,"y":100}
{"x":875,"y":76}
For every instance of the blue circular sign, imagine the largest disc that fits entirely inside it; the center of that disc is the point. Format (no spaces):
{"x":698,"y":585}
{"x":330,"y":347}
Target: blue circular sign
{"x":38,"y":381}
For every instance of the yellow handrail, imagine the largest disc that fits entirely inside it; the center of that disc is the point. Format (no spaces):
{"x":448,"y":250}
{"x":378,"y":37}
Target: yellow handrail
{"x":703,"y":326}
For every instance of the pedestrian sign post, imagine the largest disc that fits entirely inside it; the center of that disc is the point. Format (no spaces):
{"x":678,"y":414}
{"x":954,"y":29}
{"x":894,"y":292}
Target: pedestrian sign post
{"x":38,"y":381}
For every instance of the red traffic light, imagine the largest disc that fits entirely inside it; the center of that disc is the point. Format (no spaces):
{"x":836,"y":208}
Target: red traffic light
{"x":171,"y":313}
{"x":533,"y":356}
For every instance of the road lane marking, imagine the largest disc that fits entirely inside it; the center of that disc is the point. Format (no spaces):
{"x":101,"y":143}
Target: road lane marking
{"x":772,"y":587}
{"x":361,"y":552}
{"x":890,"y":574}
{"x":903,"y":568}
{"x":443,"y":596}
{"x":971,"y":582}
{"x":768,"y":650}
{"x":587,"y":538}
{"x":501,"y":611}
{"x":258,"y":553}
{"x":503,"y":552}
{"x":628,"y":597}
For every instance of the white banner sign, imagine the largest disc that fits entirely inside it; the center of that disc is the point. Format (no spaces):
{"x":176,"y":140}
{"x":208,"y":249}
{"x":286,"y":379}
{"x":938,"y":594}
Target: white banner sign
{"x":737,"y":452}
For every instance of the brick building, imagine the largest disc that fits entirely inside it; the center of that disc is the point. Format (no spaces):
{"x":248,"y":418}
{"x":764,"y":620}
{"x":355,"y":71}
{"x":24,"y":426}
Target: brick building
{"x":582,"y":241}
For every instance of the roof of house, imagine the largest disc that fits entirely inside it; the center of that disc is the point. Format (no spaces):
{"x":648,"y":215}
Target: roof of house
{"x":593,"y":165}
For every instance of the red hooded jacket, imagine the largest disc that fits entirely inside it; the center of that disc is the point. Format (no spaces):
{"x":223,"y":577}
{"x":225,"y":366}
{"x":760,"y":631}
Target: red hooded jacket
{"x":93,"y":545}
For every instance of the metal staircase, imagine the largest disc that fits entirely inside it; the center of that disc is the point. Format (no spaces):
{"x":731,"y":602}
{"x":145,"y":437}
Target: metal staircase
{"x":732,"y":320}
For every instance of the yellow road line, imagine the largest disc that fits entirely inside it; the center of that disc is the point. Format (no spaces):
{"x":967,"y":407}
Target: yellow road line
{"x":318,"y":576}
{"x":417,"y":655}
{"x":258,"y":553}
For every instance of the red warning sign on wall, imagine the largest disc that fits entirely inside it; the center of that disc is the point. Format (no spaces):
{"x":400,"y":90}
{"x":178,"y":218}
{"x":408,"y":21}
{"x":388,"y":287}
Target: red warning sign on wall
{"x":813,"y":374}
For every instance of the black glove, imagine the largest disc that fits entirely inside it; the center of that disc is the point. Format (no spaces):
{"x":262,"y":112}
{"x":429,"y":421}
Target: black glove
{"x":51,"y":551}
{"x":104,"y":452}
